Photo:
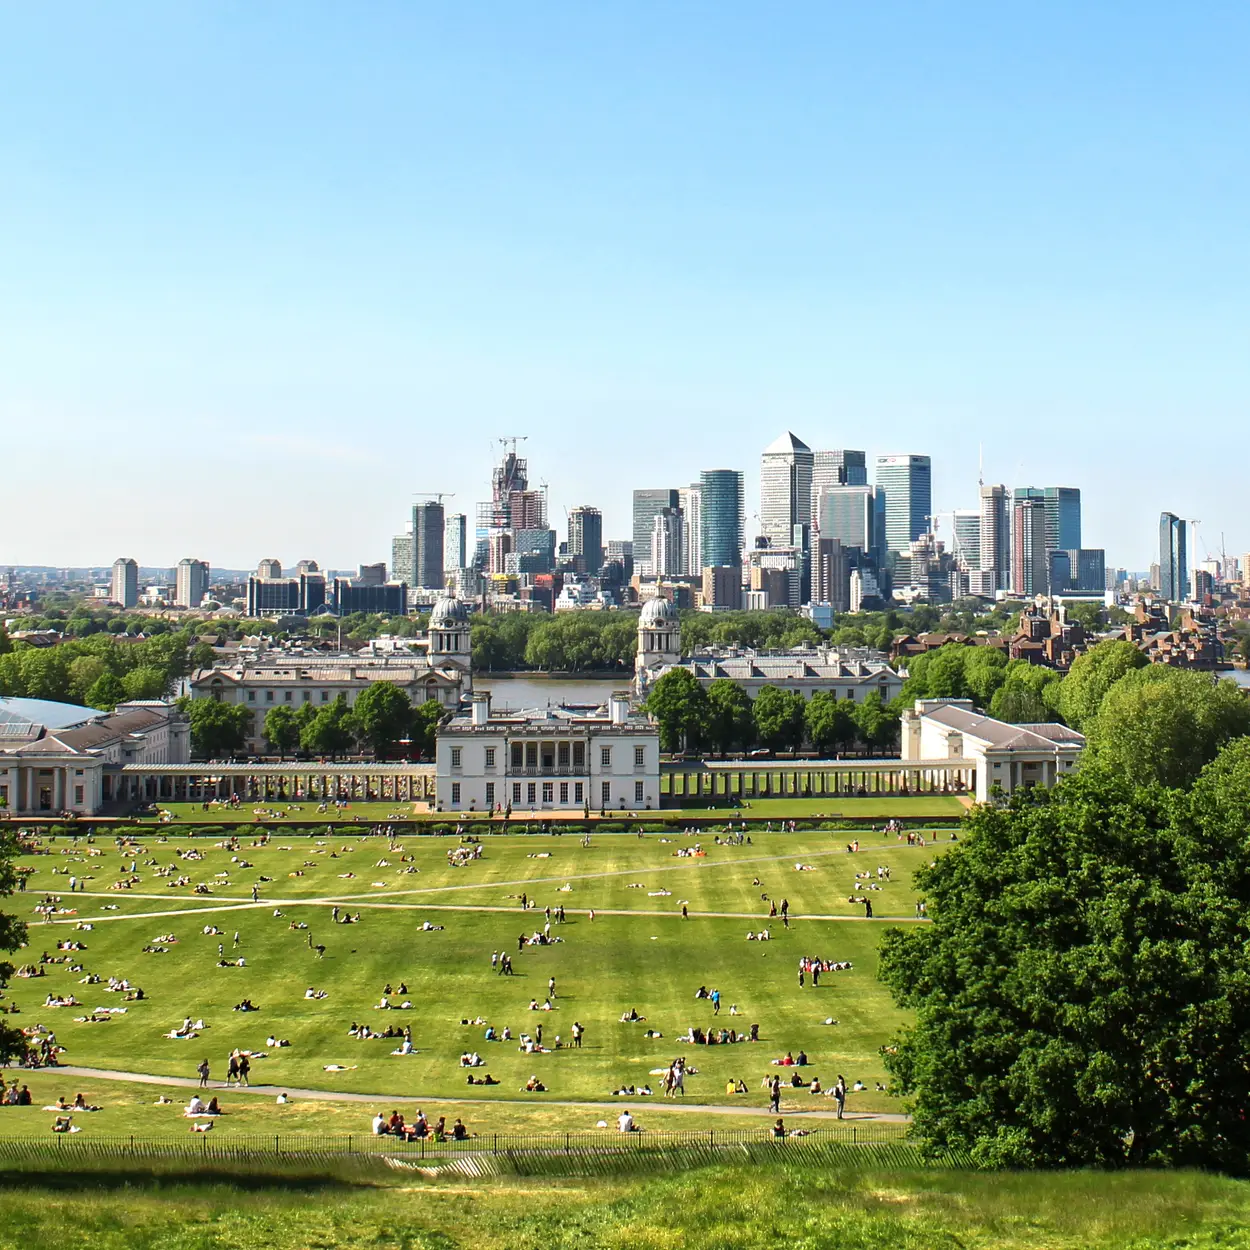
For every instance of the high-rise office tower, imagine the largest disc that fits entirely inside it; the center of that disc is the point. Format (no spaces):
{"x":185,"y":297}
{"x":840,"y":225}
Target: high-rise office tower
{"x":785,"y":489}
{"x":427,"y":546}
{"x":666,"y":551}
{"x":994,"y":543}
{"x":690,"y":501}
{"x":722,"y":518}
{"x":851,"y":516}
{"x":190,"y":583}
{"x":455,"y":541}
{"x":647,"y":503}
{"x":1173,"y":558}
{"x":402,"y":560}
{"x":835,"y":468}
{"x":1029,"y":567}
{"x":125,"y":588}
{"x":967,"y":550}
{"x":269,"y":568}
{"x":1063,"y":518}
{"x":907,"y":483}
{"x":586,"y":539}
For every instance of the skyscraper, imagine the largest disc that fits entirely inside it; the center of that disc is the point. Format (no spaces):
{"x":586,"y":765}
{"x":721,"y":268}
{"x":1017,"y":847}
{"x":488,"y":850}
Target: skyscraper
{"x":1173,"y":559}
{"x":785,"y":489}
{"x":455,"y":541}
{"x":1030,"y":572}
{"x":402,"y":562}
{"x":994,"y":547}
{"x":722,"y":518}
{"x":666,"y":535}
{"x":835,"y":468}
{"x":125,"y":588}
{"x":967,"y":526}
{"x":1063,"y":518}
{"x":427,"y":547}
{"x":646,"y":504}
{"x":849,"y":514}
{"x":907,"y":483}
{"x":690,"y":501}
{"x":586,"y":539}
{"x":190,"y":583}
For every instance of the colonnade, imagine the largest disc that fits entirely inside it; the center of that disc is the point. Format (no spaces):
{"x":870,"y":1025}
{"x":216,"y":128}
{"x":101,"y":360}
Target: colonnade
{"x":270,"y":783}
{"x":811,"y":780}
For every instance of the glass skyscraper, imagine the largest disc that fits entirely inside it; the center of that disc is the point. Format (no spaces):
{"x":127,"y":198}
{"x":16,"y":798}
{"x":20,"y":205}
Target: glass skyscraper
{"x":785,"y":489}
{"x":907,"y":484}
{"x":1173,"y":559}
{"x":722,"y":517}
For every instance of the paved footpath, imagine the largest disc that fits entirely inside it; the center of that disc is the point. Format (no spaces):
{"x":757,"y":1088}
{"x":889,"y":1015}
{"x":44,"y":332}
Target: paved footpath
{"x":380,"y":1100}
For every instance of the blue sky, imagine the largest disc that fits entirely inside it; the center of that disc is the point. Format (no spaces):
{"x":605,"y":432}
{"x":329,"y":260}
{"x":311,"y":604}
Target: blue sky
{"x":269,"y":269}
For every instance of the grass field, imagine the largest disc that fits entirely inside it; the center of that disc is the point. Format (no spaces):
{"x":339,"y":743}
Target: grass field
{"x":638,"y":952}
{"x":726,"y":1208}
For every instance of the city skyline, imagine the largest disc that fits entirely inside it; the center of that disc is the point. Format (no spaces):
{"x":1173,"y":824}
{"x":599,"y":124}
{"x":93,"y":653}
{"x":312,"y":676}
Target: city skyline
{"x":396,"y":239}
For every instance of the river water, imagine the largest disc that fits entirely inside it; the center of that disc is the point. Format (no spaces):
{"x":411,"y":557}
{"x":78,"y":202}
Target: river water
{"x":533,"y":690}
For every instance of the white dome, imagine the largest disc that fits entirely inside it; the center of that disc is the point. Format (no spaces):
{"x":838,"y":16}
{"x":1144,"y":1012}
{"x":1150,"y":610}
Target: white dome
{"x":659,"y":614}
{"x":448,"y":612}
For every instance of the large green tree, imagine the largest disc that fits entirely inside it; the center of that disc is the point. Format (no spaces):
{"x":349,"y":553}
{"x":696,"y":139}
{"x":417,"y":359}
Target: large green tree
{"x":217,"y":729}
{"x":424,"y":731}
{"x":679,"y":705}
{"x":282,"y":729}
{"x":830,"y":722}
{"x":1091,"y":676}
{"x":330,"y":731}
{"x":1165,"y":724}
{"x":13,"y":937}
{"x":780,"y":718}
{"x":383,"y":715}
{"x":1082,"y":995}
{"x":730,"y":725}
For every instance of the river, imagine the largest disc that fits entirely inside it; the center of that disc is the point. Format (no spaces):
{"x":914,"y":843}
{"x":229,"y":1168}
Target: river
{"x":536,"y":690}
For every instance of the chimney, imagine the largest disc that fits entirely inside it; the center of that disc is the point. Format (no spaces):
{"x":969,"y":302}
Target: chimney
{"x":481,"y":708}
{"x":618,"y":707}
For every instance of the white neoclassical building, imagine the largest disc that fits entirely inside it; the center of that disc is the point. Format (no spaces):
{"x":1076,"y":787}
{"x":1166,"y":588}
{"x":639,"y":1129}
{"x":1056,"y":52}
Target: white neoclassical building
{"x":846,"y":672}
{"x":548,"y":760}
{"x":1006,"y":756}
{"x":437,"y":667}
{"x":58,"y":758}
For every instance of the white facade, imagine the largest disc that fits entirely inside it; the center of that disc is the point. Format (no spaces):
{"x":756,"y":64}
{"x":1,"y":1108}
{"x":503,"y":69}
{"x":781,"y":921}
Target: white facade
{"x":124,"y":590}
{"x":1007,"y":757}
{"x":191,"y":583}
{"x":553,"y":760}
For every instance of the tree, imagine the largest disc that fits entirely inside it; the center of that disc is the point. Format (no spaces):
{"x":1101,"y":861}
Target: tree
{"x":282,"y":729}
{"x":780,"y":718}
{"x":330,"y":730}
{"x":985,"y":669}
{"x":201,"y":655}
{"x":12,"y":938}
{"x":830,"y":724}
{"x":106,"y":692}
{"x":146,"y":682}
{"x":217,"y":729}
{"x":84,"y":672}
{"x":383,"y":715}
{"x":876,"y":724}
{"x":1081,"y":997}
{"x":1165,"y":724}
{"x":424,"y":731}
{"x":730,"y":725}
{"x":1091,"y":676}
{"x":680,"y":708}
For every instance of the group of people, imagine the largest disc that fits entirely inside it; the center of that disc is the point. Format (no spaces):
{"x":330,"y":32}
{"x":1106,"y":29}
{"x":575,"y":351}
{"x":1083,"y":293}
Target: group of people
{"x":419,"y":1129}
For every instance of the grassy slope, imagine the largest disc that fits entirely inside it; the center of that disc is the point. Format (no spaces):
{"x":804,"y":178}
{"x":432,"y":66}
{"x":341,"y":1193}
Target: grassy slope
{"x":725,"y":1208}
{"x":652,"y":962}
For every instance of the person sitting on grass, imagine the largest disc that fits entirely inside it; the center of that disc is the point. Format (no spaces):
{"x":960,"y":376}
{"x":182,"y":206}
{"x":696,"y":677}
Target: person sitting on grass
{"x":196,"y":1106}
{"x":380,"y":1128}
{"x":535,"y":1086}
{"x":625,"y":1123}
{"x":459,"y":1132}
{"x":63,"y":1124}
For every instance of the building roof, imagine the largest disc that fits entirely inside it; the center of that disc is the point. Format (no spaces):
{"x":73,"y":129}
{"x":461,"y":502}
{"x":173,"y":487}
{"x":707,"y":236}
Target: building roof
{"x":1001,"y":735}
{"x":787,"y":444}
{"x":658,"y":611}
{"x":45,"y":712}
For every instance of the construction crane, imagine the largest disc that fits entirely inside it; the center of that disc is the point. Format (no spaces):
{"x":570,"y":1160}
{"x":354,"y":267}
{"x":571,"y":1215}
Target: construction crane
{"x":514,"y":439}
{"x":440,"y":495}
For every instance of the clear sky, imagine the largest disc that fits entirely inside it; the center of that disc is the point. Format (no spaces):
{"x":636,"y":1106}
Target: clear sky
{"x":268,"y":269}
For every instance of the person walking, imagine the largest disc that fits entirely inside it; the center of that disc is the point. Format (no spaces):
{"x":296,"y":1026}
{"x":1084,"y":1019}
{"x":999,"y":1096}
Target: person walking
{"x":867,"y":909}
{"x":238,"y":941}
{"x":839,"y":1094}
{"x":232,"y":1071}
{"x":716,"y":1002}
{"x":774,"y":1095}
{"x":203,"y":1071}
{"x":685,"y":915}
{"x":245,"y":1066}
{"x":551,"y":988}
{"x":577,"y":1034}
{"x":255,"y":893}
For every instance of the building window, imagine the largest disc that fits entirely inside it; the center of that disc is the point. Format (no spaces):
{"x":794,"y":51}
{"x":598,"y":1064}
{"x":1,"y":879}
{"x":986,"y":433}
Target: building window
{"x":548,"y":792}
{"x":579,"y":755}
{"x":562,"y":754}
{"x":638,"y":792}
{"x":531,"y":755}
{"x":605,"y":757}
{"x":564,"y":792}
{"x":251,"y":696}
{"x":455,"y":793}
{"x":490,"y":757}
{"x":268,"y":696}
{"x":289,"y":695}
{"x":606,"y":793}
{"x":325,"y":696}
{"x":78,"y":796}
{"x":640,"y":756}
{"x":518,"y":755}
{"x":490,"y":794}
{"x":455,"y":757}
{"x":516,"y":791}
{"x":579,"y":793}
{"x":307,"y":695}
{"x":530,"y":792}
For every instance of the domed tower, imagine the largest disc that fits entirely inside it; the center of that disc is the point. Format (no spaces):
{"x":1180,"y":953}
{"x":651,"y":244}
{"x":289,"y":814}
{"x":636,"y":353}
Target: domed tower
{"x":659,"y":642}
{"x":450,"y":640}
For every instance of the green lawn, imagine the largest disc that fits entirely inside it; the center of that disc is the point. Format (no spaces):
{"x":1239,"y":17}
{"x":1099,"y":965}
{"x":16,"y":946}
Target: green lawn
{"x":744,"y":1207}
{"x":637,"y":953}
